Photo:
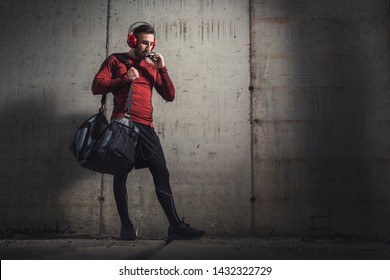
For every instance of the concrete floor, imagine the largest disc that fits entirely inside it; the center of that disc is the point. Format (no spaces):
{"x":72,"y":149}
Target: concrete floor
{"x":201,"y":249}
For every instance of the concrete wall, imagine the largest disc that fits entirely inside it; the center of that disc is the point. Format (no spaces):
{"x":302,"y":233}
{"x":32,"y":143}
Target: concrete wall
{"x":320,"y":71}
{"x":279,"y":125}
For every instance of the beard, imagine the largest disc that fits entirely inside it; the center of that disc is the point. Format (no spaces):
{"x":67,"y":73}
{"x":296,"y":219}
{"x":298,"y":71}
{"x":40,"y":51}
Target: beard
{"x":139,"y":53}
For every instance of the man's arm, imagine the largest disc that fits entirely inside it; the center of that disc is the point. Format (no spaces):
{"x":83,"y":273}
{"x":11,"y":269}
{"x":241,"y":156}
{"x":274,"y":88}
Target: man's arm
{"x":104,"y":82}
{"x":164,"y":85}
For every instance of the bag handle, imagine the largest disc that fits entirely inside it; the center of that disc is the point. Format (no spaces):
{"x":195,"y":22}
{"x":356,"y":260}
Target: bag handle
{"x":124,"y":60}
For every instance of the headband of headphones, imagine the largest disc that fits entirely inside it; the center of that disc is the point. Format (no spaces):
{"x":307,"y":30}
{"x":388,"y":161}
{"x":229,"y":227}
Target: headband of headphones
{"x":132,"y":39}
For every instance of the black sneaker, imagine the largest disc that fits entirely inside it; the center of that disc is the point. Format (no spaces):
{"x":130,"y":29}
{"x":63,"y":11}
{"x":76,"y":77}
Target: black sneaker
{"x":127,"y":232}
{"x":184,"y":232}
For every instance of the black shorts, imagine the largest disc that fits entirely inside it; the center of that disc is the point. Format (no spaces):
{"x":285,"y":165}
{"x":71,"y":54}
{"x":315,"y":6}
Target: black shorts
{"x":149,"y":149}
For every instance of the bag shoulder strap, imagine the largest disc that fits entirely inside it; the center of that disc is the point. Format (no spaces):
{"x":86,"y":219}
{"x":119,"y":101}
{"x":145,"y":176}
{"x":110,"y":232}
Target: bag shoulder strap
{"x":122,"y":58}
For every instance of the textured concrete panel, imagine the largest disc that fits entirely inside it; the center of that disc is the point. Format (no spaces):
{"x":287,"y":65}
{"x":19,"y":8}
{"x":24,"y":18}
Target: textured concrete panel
{"x":205,"y":132}
{"x":320,"y":117}
{"x":49,"y":51}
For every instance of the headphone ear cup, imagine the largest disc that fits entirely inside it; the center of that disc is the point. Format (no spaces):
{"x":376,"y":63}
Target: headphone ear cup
{"x":131,"y":40}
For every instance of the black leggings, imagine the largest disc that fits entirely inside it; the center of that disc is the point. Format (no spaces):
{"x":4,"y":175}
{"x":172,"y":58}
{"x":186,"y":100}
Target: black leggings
{"x":160,"y":175}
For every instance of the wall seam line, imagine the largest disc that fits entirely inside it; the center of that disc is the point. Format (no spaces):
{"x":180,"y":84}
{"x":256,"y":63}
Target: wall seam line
{"x":102,"y":230}
{"x":251,"y":89}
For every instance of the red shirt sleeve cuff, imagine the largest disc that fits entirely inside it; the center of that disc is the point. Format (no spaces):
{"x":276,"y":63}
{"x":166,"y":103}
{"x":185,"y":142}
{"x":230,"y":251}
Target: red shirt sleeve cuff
{"x":162,"y":70}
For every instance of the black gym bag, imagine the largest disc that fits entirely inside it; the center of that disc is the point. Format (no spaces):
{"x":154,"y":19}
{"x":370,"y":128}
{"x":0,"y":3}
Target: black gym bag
{"x":107,"y":147}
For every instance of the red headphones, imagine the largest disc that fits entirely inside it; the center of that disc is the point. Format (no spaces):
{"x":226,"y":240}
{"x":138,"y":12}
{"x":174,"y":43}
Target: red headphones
{"x":132,"y":39}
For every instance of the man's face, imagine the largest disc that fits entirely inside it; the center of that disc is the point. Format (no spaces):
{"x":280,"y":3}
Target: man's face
{"x":145,"y":44}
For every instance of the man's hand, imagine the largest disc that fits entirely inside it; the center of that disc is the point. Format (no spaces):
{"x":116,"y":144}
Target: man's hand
{"x":158,"y":60}
{"x":133,"y":74}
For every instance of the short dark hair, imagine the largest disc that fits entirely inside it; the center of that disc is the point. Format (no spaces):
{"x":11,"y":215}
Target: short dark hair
{"x":148,"y":29}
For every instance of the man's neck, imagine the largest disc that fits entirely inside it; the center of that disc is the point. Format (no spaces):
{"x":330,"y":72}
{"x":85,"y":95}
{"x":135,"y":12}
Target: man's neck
{"x":132,"y":55}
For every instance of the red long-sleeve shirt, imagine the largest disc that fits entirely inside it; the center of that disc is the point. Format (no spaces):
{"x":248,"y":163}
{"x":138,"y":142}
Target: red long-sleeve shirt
{"x":112,"y":77}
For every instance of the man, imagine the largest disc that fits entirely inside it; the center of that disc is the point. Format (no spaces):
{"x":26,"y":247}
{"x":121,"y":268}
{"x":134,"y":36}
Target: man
{"x":114,"y":77}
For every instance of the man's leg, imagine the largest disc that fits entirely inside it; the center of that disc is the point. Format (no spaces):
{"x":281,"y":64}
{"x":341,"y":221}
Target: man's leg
{"x":177,"y":229}
{"x":160,"y":175}
{"x":120,"y":194}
